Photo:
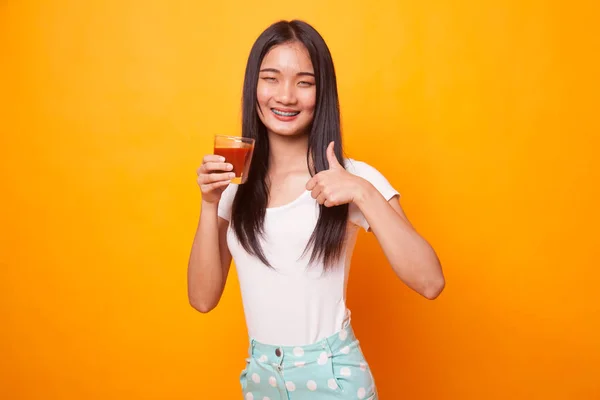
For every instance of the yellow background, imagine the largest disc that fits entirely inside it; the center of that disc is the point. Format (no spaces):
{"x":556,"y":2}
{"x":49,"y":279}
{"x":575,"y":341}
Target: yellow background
{"x":483,"y":114}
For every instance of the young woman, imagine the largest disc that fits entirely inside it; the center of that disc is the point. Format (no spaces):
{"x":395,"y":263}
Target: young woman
{"x":291,"y":228}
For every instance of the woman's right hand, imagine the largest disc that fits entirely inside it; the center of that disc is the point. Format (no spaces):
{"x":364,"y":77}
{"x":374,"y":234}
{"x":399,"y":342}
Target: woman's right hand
{"x":213,"y":177}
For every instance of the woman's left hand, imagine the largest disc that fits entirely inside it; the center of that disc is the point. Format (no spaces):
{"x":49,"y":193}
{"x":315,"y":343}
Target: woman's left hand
{"x":335,"y":186}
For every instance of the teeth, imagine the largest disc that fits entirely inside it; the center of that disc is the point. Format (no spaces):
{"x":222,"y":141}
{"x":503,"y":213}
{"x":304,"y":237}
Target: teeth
{"x":285,"y":114}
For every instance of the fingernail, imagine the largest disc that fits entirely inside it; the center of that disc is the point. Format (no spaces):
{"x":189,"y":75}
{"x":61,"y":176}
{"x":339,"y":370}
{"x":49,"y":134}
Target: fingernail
{"x":231,"y":176}
{"x":229,"y":166}
{"x":222,"y":159}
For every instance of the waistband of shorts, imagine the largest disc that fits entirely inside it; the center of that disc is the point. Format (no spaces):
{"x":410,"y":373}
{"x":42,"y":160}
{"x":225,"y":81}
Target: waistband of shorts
{"x":332,"y":343}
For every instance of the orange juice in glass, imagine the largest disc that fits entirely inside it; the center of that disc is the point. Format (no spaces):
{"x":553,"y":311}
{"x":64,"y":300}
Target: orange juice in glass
{"x":237,"y":152}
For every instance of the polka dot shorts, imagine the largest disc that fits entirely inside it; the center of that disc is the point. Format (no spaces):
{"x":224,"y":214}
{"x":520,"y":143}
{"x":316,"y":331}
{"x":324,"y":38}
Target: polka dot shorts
{"x":331,"y":369}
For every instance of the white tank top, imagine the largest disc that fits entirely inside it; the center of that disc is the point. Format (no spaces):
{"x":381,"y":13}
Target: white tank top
{"x":292,"y":303}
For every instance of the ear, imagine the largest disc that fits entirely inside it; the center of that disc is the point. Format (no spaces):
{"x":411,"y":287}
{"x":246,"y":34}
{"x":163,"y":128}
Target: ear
{"x":331,"y":158}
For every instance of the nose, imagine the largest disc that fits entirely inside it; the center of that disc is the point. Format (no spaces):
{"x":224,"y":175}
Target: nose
{"x":286,"y":93}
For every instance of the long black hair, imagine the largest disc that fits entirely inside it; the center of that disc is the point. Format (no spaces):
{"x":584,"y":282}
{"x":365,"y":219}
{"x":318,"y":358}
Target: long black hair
{"x":250,"y":202}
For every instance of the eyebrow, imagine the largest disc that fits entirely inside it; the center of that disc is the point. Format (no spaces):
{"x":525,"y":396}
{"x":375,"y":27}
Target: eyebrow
{"x":278,"y":71}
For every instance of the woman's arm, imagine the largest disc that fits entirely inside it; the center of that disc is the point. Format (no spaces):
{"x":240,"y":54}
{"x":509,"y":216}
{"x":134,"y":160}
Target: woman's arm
{"x":209,"y":260}
{"x":413,"y":260}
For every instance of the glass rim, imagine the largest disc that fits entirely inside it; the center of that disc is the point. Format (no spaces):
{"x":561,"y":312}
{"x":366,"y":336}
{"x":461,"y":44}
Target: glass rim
{"x":236,"y":138}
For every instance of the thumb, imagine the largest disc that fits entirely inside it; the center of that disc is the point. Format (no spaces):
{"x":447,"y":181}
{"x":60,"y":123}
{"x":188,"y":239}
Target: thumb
{"x":331,"y":158}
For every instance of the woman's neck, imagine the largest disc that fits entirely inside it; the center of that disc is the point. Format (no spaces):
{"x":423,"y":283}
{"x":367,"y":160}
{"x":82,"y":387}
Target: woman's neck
{"x":287,"y":153}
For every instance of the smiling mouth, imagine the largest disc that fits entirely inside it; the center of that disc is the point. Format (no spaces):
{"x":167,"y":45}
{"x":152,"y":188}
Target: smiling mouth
{"x":285,"y":113}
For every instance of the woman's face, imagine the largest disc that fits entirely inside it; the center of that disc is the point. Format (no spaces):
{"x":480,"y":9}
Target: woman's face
{"x":286,"y":90}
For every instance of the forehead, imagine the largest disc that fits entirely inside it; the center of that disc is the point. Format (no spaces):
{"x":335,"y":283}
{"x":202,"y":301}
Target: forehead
{"x":288,"y":57}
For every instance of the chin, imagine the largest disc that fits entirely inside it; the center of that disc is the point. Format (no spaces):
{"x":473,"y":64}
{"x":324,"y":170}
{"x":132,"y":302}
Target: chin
{"x":290,"y":133}
{"x":288,"y":130}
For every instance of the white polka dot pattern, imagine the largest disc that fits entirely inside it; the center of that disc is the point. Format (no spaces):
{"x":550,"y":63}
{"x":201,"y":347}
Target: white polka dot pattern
{"x":298,"y":351}
{"x":361,"y":393}
{"x":273,"y":381}
{"x":322,"y":358}
{"x":329,"y":366}
{"x":332,"y":384}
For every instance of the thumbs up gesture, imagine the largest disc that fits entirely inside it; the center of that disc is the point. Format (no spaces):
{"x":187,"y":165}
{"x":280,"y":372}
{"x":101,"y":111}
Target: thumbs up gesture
{"x":334,"y":186}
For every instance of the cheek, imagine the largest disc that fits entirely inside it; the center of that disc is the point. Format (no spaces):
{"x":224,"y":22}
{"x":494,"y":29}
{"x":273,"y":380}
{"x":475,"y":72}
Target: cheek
{"x":309,"y":100}
{"x":266,"y":91}
{"x":262,"y":93}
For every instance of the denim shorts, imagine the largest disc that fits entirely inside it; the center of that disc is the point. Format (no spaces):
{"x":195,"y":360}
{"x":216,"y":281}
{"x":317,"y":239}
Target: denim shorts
{"x":333,"y":368}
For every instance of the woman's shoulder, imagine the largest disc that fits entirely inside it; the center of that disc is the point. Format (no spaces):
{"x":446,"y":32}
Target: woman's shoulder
{"x":360,"y":168}
{"x":226,"y":201}
{"x":371,"y":174}
{"x":230,"y":190}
